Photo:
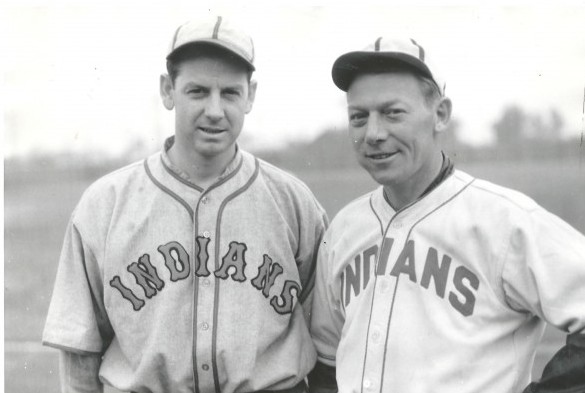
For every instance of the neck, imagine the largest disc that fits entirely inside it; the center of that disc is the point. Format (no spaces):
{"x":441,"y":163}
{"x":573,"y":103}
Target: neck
{"x":202,"y":170}
{"x":402,"y":193}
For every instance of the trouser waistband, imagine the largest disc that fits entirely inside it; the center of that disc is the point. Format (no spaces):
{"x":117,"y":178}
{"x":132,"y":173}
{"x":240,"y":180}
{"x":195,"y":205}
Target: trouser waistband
{"x":301,"y":387}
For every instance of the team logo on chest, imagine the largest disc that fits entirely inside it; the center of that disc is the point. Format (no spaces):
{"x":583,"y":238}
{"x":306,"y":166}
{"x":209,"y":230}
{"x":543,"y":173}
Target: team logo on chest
{"x":439,"y":270}
{"x":233,"y":264}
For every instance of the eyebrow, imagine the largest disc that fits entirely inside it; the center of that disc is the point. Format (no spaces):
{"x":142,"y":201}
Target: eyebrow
{"x":384,"y":104}
{"x":235,"y":86}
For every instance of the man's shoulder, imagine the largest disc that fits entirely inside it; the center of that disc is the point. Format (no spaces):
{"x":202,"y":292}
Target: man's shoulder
{"x":497,"y":196}
{"x":287,"y":190}
{"x":117,"y":178}
{"x":282,"y":179}
{"x":359,"y":203}
{"x":279,"y":175}
{"x":109,"y":188}
{"x":356,"y":208}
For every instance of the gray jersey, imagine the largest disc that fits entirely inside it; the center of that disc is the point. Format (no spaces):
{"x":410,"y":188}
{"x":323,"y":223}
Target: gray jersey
{"x":184,"y":289}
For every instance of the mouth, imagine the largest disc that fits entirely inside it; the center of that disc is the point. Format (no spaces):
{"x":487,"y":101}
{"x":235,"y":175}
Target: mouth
{"x":211,"y":130}
{"x":380,"y":156}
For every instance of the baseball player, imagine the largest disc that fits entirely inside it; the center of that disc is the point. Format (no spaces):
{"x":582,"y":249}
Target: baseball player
{"x":192,"y":270}
{"x":436,"y":281}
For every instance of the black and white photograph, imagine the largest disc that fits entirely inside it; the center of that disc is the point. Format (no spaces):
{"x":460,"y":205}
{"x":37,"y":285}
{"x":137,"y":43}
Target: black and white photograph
{"x":293,"y":197}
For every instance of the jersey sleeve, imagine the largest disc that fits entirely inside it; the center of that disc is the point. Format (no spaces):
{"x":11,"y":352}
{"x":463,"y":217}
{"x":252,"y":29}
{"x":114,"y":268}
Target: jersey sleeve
{"x":76,"y":319}
{"x":326,"y":325}
{"x":544,"y":270}
{"x":327,"y":318}
{"x":312,"y":230}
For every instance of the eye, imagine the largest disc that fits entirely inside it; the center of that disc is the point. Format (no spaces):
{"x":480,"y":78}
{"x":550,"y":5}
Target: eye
{"x":195,"y":91}
{"x":357,"y":118}
{"x":394,"y":112}
{"x":232,"y":92}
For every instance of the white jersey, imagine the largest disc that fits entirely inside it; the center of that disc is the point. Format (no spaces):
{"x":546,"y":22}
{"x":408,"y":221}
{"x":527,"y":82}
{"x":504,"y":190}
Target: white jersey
{"x":190,"y":290}
{"x":449,"y":294}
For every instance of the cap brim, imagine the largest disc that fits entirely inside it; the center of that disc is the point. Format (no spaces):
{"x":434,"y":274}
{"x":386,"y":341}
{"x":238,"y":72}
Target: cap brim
{"x":347,"y":66}
{"x":215,"y":43}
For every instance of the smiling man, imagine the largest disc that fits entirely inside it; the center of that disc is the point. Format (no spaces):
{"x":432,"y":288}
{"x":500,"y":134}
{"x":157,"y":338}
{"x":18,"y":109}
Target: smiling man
{"x":436,"y":281}
{"x":193,"y":270}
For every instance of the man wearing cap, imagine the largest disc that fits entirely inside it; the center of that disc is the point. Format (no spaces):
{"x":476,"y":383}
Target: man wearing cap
{"x":436,"y":281}
{"x":192,"y":270}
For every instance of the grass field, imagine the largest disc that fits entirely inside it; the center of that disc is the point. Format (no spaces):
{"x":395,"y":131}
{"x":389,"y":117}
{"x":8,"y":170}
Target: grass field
{"x":36,"y":213}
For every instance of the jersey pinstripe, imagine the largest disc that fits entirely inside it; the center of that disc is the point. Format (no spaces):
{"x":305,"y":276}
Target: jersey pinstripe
{"x":449,"y":294}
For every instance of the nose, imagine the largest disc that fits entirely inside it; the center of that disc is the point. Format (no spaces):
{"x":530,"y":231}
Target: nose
{"x":374,"y":131}
{"x":214,"y":108}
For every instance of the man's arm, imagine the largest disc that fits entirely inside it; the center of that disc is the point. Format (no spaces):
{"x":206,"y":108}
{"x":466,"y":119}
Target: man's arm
{"x":313,"y":224}
{"x":322,"y":379}
{"x":543,"y":275}
{"x":565,"y":372}
{"x":79,"y":372}
{"x":326,"y":324}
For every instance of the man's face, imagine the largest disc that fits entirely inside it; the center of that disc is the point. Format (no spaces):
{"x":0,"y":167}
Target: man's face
{"x":211,"y":97}
{"x":393,"y":129}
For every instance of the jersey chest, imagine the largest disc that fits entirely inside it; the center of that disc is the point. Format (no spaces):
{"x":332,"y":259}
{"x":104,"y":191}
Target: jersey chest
{"x":160,"y":249}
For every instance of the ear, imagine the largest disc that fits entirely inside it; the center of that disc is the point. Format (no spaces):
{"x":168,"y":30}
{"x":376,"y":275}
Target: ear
{"x":443,"y":114}
{"x":251,"y":95}
{"x":166,"y":91}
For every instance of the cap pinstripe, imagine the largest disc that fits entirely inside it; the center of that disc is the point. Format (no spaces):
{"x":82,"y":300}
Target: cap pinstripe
{"x":216,"y":31}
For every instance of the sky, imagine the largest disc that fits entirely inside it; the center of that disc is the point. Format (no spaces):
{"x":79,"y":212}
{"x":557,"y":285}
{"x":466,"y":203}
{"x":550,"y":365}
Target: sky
{"x":84,"y":76}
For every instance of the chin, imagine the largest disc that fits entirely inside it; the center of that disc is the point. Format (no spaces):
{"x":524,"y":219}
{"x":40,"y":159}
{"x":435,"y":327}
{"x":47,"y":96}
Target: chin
{"x":385,"y":179}
{"x":381,"y":177}
{"x":212,"y":150}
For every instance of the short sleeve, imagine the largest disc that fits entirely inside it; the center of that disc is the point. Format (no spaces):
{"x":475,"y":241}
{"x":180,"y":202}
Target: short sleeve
{"x":544,"y":270}
{"x":76,"y":319}
{"x":312,"y":229}
{"x":326,"y":317}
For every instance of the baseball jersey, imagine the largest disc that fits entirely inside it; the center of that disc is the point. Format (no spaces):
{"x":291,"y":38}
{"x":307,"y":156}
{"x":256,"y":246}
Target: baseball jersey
{"x":187,"y":289}
{"x":448,"y":294}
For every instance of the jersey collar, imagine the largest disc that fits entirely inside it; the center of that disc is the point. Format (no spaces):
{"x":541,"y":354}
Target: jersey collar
{"x":447,"y":169}
{"x":232,"y":166}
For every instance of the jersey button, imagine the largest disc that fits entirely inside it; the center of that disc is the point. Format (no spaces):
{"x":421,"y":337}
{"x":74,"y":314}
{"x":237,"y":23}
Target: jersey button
{"x":205,"y":367}
{"x":206,"y":282}
{"x":205,"y":200}
{"x":206,"y":234}
{"x":384,"y":286}
{"x":204,"y":326}
{"x":367,"y":384}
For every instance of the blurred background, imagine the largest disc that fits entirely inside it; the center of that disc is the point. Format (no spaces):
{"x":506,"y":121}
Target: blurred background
{"x":80,"y":98}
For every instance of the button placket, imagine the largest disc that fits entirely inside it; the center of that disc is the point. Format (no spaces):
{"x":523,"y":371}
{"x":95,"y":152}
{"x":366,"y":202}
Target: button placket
{"x":368,"y":384}
{"x":206,"y":216}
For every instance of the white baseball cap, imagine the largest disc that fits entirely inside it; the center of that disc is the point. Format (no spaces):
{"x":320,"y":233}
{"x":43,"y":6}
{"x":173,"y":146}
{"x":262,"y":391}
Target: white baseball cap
{"x":384,"y":51}
{"x":216,"y":31}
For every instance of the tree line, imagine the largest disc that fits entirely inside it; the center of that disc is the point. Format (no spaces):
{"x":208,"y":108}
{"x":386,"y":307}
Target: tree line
{"x":518,"y":136}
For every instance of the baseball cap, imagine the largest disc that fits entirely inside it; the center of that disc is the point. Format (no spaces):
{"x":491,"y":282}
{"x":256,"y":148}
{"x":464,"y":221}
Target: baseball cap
{"x":384,"y":51}
{"x":216,"y":31}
